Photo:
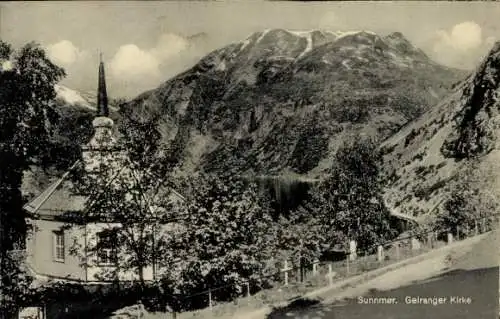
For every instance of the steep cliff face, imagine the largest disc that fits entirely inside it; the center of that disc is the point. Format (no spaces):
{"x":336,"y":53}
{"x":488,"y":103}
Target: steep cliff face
{"x":282,"y":101}
{"x":476,"y":124}
{"x":454,"y":142}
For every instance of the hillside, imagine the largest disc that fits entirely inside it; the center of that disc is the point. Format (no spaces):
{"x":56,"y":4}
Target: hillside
{"x":282,"y":101}
{"x":455,"y":142}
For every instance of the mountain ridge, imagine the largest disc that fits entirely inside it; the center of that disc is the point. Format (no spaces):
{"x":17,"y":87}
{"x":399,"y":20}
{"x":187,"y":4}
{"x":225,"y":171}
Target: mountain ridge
{"x":240,"y":98}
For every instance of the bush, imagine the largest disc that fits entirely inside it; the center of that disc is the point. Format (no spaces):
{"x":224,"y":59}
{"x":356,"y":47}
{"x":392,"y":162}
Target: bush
{"x":65,"y":300}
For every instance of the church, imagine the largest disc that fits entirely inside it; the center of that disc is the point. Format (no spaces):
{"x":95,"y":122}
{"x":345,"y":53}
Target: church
{"x":60,"y":250}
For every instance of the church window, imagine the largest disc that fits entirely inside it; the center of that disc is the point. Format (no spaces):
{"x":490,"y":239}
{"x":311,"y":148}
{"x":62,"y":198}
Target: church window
{"x":58,"y":251}
{"x":107,"y":247}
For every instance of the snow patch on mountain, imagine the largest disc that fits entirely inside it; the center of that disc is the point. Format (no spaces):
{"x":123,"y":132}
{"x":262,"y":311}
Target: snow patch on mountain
{"x":264,"y":33}
{"x":245,"y":43}
{"x":398,"y":60}
{"x":346,"y":64}
{"x":309,"y":46}
{"x":71,"y":97}
{"x":81,"y":99}
{"x":301,"y":33}
{"x":343,"y":34}
{"x":324,"y":60}
{"x":337,"y":34}
{"x":222,"y":66}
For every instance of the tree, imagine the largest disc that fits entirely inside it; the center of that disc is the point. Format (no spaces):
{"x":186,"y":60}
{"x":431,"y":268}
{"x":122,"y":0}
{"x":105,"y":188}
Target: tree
{"x":300,"y":238}
{"x":457,"y":215}
{"x":16,"y":283}
{"x":27,"y":112}
{"x":229,"y":237}
{"x":146,"y":145}
{"x":134,"y":209}
{"x":348,"y":203}
{"x":470,"y":201}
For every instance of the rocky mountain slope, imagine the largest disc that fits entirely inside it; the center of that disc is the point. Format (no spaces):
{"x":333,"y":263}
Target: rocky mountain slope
{"x":282,"y":101}
{"x":456,"y":142}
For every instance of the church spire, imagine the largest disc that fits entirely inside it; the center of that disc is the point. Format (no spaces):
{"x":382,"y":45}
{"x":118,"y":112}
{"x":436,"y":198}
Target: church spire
{"x":97,"y":151}
{"x":102,"y":95}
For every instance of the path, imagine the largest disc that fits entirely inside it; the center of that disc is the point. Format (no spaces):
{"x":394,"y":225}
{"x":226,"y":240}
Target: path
{"x":474,"y":275}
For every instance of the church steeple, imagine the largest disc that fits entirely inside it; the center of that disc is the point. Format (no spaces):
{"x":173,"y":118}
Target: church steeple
{"x":99,"y":149}
{"x":102,"y":123}
{"x":102,"y":95}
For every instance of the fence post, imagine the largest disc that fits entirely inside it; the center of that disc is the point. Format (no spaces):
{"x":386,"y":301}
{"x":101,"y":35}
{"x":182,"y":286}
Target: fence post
{"x":210,"y":299}
{"x":315,"y":267}
{"x":415,"y":244}
{"x":285,"y":270}
{"x":248,"y":289}
{"x":353,"y":250}
{"x":458,"y":232}
{"x":301,"y":270}
{"x":450,"y":238}
{"x":380,"y":253}
{"x":397,"y":250}
{"x":347,"y":264}
{"x":330,"y":275}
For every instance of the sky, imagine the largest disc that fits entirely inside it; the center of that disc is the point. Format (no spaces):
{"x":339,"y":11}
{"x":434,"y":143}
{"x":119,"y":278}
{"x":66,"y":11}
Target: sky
{"x":146,"y":43}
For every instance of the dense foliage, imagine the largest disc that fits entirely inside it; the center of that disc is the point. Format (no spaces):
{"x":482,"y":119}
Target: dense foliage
{"x":348,"y":204}
{"x":27,"y":112}
{"x":229,"y":237}
{"x":471,"y":204}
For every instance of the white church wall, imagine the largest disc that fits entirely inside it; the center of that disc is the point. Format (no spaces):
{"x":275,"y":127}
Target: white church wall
{"x":40,"y":250}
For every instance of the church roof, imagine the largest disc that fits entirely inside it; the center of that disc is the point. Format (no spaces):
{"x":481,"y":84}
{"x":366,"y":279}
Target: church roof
{"x":57,"y":199}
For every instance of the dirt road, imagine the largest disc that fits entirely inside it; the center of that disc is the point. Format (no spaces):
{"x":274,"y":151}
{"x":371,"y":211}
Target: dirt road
{"x":467,"y":289}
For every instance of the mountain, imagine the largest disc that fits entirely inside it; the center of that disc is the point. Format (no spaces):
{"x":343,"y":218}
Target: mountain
{"x":66,"y":97}
{"x":281,"y":101}
{"x":70,"y":97}
{"x":454,"y":143}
